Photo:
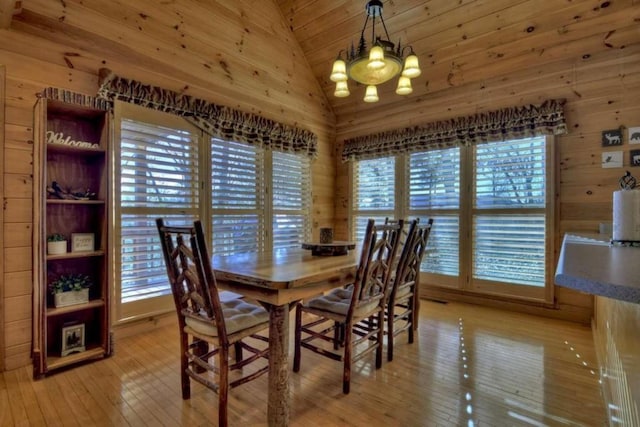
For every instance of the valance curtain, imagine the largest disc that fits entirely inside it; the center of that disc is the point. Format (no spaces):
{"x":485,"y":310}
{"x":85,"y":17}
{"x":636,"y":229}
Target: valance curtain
{"x":509,"y":123}
{"x":216,"y":120}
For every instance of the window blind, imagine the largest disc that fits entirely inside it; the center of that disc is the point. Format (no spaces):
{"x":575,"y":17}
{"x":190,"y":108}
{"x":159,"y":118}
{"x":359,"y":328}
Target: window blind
{"x":510,"y":247}
{"x":374,"y":193}
{"x":510,"y":174}
{"x":291,"y":182}
{"x":158,"y":178}
{"x":434,"y":192}
{"x":375,"y":184}
{"x":237,"y":182}
{"x":249,"y":197}
{"x":490,"y":205}
{"x":238,"y":198}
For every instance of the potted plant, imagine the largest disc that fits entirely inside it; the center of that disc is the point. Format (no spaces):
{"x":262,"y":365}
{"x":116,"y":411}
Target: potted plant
{"x":70,"y":289}
{"x":56,"y":244}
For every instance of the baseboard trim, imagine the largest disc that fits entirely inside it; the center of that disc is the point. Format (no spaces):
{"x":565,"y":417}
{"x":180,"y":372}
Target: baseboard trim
{"x":564,"y":312}
{"x":134,"y":327}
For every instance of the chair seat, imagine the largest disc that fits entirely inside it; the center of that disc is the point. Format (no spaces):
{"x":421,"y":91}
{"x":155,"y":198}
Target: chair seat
{"x":338,"y":301}
{"x":238,"y":315}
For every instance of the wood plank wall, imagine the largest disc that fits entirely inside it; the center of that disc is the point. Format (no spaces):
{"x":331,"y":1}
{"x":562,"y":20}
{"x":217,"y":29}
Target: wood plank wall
{"x":2,"y":310}
{"x":272,"y":80}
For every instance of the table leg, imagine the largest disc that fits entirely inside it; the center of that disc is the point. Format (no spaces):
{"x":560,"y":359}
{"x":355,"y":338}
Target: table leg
{"x":278,"y":395}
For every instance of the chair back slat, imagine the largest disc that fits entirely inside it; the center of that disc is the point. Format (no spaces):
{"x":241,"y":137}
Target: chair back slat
{"x":379,"y":249}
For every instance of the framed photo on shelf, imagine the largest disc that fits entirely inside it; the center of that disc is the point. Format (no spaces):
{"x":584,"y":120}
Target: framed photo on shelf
{"x":72,"y":339}
{"x":82,"y":242}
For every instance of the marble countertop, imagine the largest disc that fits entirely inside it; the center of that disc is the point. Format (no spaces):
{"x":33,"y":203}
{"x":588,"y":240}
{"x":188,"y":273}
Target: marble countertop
{"x":589,"y":263}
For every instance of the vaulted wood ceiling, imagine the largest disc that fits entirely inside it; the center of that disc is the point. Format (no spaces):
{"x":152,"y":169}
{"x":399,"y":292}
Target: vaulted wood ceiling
{"x":459,"y":43}
{"x":462,"y":42}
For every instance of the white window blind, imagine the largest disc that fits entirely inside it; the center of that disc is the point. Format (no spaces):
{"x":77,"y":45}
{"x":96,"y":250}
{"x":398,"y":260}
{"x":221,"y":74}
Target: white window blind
{"x":158,"y":178}
{"x":291,"y":199}
{"x":509,"y":248}
{"x":434,"y":192}
{"x":374,"y":192}
{"x":237,"y":182}
{"x":509,"y":218}
{"x":434,"y":180}
{"x":245,"y":202}
{"x":249,"y":197}
{"x":510,"y":174}
{"x":491,"y":209}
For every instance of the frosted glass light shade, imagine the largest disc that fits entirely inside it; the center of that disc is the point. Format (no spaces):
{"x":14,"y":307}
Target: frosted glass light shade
{"x":342,"y":90}
{"x":411,"y":67}
{"x":359,"y":71}
{"x":339,"y":71}
{"x":371,"y":95}
{"x":404,"y":86}
{"x":376,"y":58}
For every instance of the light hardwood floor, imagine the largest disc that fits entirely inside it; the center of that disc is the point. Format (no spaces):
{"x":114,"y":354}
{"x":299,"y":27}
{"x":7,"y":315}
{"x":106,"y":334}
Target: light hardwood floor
{"x":469,"y":366}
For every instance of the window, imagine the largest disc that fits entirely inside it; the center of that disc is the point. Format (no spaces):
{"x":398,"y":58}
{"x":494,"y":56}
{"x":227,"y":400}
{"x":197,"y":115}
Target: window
{"x":161,"y":172}
{"x":509,"y":212}
{"x":158,"y":177}
{"x":492,"y":211}
{"x":240,"y":209}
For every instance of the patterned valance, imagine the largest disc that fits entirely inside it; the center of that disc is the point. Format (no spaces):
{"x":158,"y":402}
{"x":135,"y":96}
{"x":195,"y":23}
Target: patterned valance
{"x":509,"y":123}
{"x":216,"y":120}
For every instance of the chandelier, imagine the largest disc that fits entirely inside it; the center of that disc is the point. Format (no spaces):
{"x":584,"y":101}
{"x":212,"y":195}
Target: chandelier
{"x":377,"y":65}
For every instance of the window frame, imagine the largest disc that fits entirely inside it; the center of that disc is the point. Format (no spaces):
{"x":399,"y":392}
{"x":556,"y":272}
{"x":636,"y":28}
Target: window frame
{"x":464,"y":282}
{"x":545,"y":293}
{"x":149,"y":306}
{"x":122,"y":313}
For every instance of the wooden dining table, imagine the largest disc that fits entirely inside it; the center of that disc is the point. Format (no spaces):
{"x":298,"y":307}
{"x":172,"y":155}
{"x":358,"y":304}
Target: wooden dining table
{"x":279,"y":279}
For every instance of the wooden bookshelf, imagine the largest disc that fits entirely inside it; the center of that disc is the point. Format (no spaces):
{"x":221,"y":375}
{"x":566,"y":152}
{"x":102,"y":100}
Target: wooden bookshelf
{"x":71,"y":197}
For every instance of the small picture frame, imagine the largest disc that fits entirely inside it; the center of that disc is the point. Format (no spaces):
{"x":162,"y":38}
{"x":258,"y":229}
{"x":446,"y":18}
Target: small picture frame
{"x":612,"y":159}
{"x":611,"y":138}
{"x":72,"y":339}
{"x":82,"y":242}
{"x":634,"y":135}
{"x":634,"y":158}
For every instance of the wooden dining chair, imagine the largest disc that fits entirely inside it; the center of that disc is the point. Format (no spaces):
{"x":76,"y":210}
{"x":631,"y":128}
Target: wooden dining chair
{"x":209,"y":327}
{"x":330,"y":319}
{"x":402,"y":304}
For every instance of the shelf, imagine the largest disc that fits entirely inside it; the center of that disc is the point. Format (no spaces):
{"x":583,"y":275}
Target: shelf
{"x":73,"y":308}
{"x":54,"y":362}
{"x":72,"y":255}
{"x":74,"y":202}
